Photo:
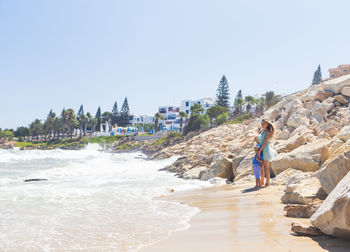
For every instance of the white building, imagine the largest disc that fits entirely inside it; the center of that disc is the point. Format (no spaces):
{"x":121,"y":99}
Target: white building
{"x":206,"y":103}
{"x":135,"y":119}
{"x":171,"y":115}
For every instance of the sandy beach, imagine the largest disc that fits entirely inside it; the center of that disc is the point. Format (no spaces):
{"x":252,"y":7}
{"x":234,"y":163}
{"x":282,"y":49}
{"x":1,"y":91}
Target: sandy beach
{"x":240,"y":218}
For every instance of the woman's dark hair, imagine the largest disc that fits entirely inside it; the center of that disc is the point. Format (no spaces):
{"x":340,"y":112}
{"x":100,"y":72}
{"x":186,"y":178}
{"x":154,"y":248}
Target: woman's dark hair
{"x":270,"y":128}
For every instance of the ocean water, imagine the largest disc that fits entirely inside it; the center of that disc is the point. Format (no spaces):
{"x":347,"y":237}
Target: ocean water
{"x":92,"y":201}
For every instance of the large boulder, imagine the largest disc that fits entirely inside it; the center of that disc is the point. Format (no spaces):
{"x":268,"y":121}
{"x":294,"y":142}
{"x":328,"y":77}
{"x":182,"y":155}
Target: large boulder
{"x":303,"y":192}
{"x":322,"y":95}
{"x":222,"y":168}
{"x":346,"y":91}
{"x":302,"y":229}
{"x":311,"y":94}
{"x":322,"y":108}
{"x":344,"y":133}
{"x":330,"y":127}
{"x":245,"y":166}
{"x":195,"y":173}
{"x":308,"y":157}
{"x":290,"y":144}
{"x":291,"y":176}
{"x":302,"y":211}
{"x":283,"y":134}
{"x":300,"y":117}
{"x":333,"y":216}
{"x":336,"y":85}
{"x":335,"y":168}
{"x":293,"y":106}
{"x":341,"y":99}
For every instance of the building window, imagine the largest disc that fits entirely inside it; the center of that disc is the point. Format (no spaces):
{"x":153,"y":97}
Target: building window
{"x":199,"y":102}
{"x":207,"y":105}
{"x":187,"y":111}
{"x":162,"y":110}
{"x":187,"y":104}
{"x":345,"y":70}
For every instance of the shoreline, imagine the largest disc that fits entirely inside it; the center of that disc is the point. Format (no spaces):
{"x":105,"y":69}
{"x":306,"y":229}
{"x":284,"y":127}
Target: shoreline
{"x":240,"y":218}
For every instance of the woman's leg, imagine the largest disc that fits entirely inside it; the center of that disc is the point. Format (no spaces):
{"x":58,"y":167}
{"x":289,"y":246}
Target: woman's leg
{"x":267,"y":167}
{"x":262,"y":175}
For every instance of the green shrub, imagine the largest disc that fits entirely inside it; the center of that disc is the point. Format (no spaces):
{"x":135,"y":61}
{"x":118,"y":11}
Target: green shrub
{"x":196,"y":123}
{"x":222,"y":118}
{"x":240,"y":119}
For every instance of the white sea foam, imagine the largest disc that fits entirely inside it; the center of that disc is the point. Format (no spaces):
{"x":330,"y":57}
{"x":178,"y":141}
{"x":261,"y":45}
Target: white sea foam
{"x":92,"y":200}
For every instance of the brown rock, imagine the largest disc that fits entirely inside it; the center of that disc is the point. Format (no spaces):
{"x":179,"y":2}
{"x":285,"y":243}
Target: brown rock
{"x":333,"y":216}
{"x":303,"y":192}
{"x":335,"y":168}
{"x":307,"y":157}
{"x":323,"y":95}
{"x":305,"y":230}
{"x":302,"y":211}
{"x":341,"y":99}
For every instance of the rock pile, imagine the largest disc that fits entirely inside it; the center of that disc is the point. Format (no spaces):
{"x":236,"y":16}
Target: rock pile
{"x":312,"y":139}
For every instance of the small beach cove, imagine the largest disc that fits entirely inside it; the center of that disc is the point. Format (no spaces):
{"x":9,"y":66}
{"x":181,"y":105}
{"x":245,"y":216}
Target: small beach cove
{"x":240,"y":218}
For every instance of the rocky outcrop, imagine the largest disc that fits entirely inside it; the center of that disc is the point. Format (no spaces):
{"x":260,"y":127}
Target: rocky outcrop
{"x":222,"y":169}
{"x":346,"y":91}
{"x":301,"y":229}
{"x":311,"y":126}
{"x":336,"y":85}
{"x":290,"y":144}
{"x":307,"y":157}
{"x":335,"y":168}
{"x":303,"y":192}
{"x":195,"y":173}
{"x":7,"y":145}
{"x":333,"y":216}
{"x":302,"y":211}
{"x":344,"y":133}
{"x":291,"y":176}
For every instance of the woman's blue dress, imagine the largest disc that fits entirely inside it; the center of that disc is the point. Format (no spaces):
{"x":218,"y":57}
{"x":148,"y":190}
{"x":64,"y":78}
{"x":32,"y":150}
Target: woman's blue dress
{"x":268,"y":153}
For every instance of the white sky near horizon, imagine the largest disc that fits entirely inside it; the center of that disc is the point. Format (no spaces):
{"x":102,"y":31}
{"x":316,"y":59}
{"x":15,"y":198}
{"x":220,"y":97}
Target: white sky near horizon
{"x":63,"y":53}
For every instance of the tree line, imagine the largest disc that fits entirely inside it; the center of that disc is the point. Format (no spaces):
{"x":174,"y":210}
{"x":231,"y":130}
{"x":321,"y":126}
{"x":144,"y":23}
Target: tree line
{"x":64,"y":125}
{"x":222,"y":110}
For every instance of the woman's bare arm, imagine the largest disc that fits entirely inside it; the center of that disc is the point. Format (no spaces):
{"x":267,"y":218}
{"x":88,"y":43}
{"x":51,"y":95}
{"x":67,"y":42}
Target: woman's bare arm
{"x":257,"y":140}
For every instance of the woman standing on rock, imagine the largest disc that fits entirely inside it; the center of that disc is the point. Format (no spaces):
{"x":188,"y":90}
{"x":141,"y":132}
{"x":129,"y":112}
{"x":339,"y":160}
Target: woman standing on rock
{"x":268,"y":153}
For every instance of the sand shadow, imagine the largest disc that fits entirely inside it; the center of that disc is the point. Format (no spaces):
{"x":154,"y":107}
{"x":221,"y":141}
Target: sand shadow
{"x":252,"y":189}
{"x":332,"y":244}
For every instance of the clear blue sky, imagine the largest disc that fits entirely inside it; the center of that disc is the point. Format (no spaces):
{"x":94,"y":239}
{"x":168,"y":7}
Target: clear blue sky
{"x":64,"y":53}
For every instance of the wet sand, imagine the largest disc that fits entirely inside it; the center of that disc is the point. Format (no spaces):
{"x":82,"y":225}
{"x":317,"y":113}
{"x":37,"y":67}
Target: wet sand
{"x":240,"y":218}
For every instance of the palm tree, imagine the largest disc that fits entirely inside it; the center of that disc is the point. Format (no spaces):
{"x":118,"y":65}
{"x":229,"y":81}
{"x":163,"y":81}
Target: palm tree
{"x":89,"y":118}
{"x":84,"y":122}
{"x":182,"y":116}
{"x":46,"y":129}
{"x":239,"y":102}
{"x":57,"y":126}
{"x":81,"y":119}
{"x":158,"y":117}
{"x":249,"y":100}
{"x":271,"y":98}
{"x":36,"y":128}
{"x":48,"y":124}
{"x":71,"y":121}
{"x":106,"y":117}
{"x":94,"y":122}
{"x":260,"y":106}
{"x":196,"y":109}
{"x":65,"y":118}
